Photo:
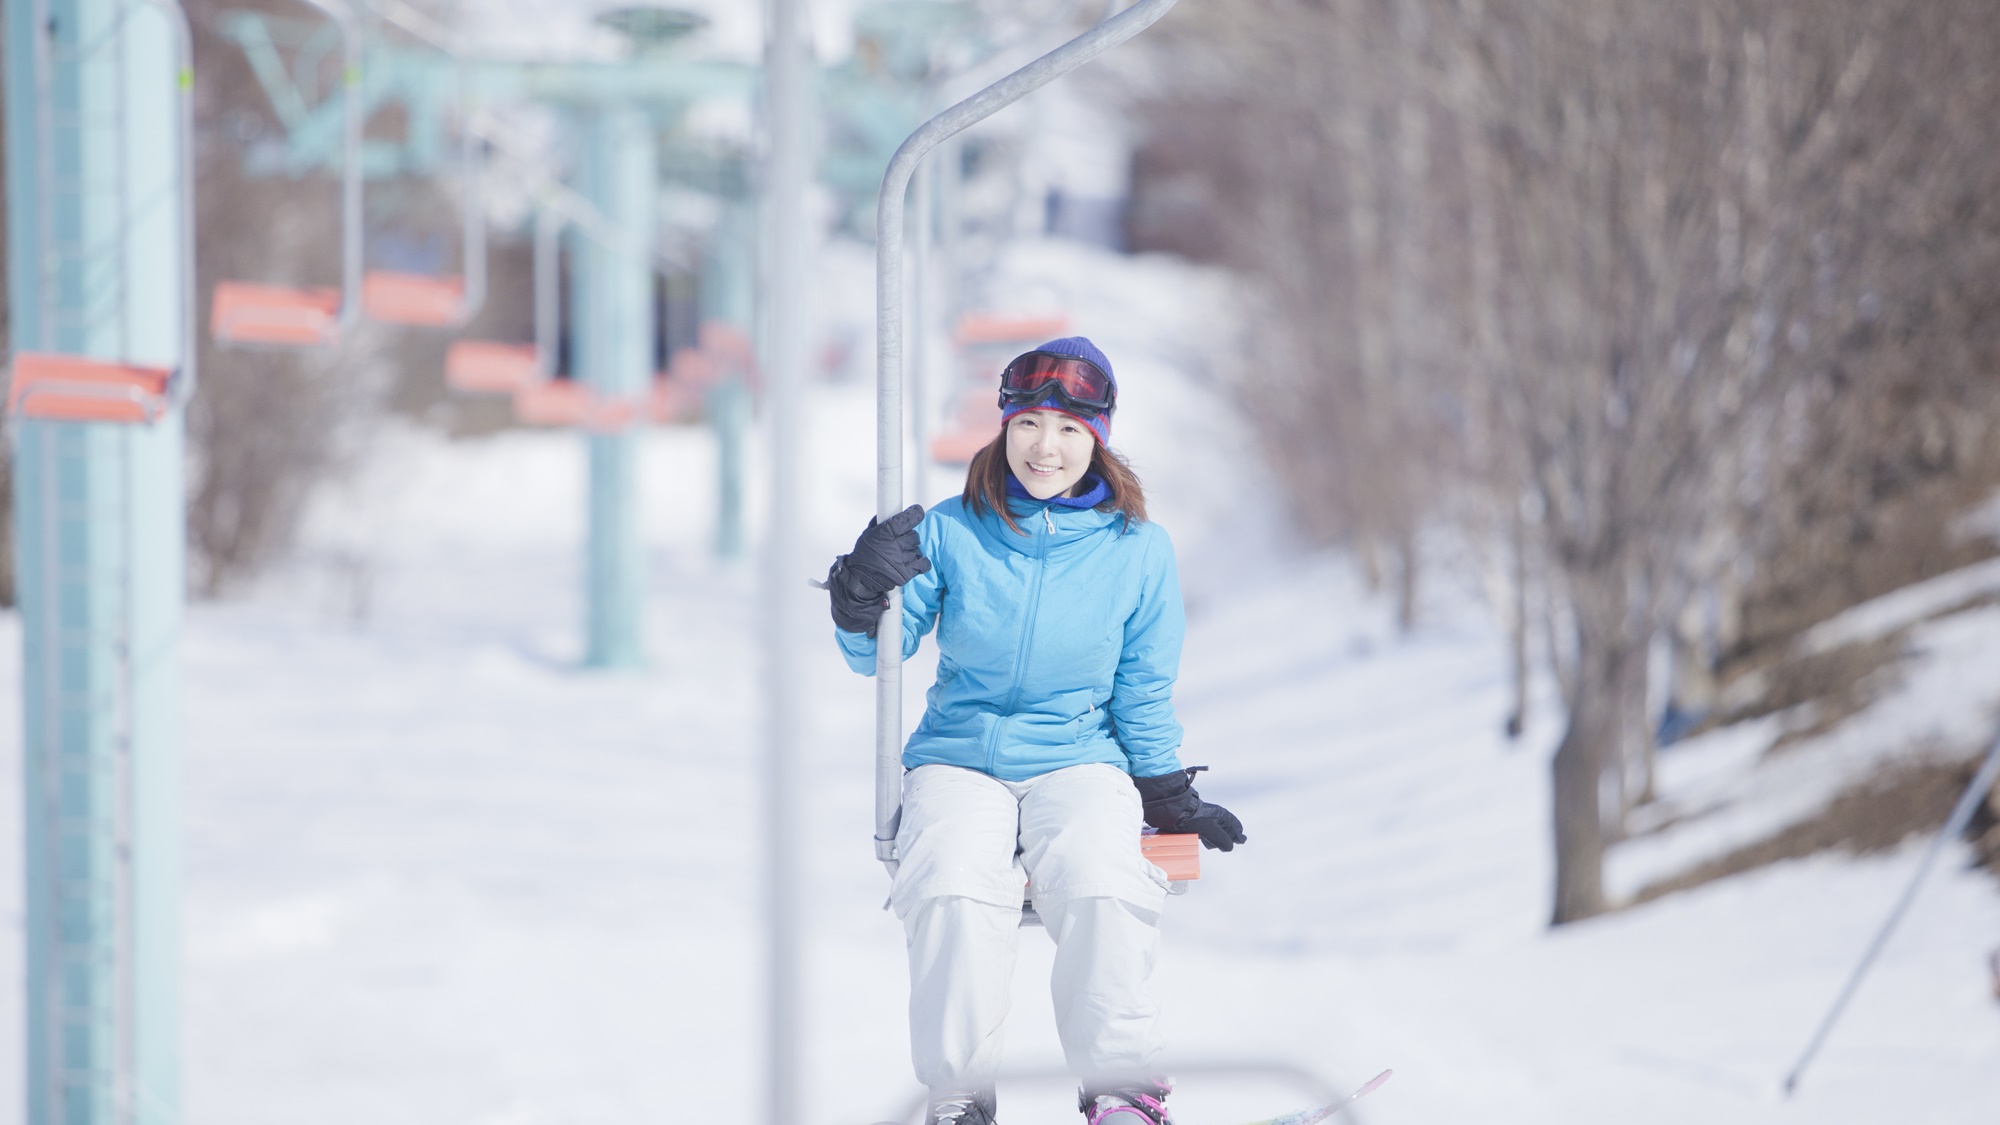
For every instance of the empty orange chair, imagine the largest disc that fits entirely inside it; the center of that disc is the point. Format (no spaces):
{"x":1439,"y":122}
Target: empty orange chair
{"x":66,"y":388}
{"x":978,"y":423}
{"x":486,"y":367}
{"x":246,"y":313}
{"x":730,"y":347}
{"x":566,"y":402}
{"x":609,"y":414}
{"x":674,"y":400}
{"x":987,"y":328}
{"x":694,"y":367}
{"x":553,"y":402}
{"x":413,"y":298}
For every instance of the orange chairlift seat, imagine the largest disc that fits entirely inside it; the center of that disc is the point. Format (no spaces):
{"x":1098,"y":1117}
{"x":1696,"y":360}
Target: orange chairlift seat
{"x":991,"y":329}
{"x":973,"y":426}
{"x":413,"y":298}
{"x":977,"y":417}
{"x":67,"y":388}
{"x":441,"y":300}
{"x":722,"y":351}
{"x":491,"y":367}
{"x":678,"y":391}
{"x":731,"y":348}
{"x":250,"y":313}
{"x":495,"y":367}
{"x":1176,"y":853}
{"x":676,"y":394}
{"x":299,"y":317}
{"x":436,"y":300}
{"x":552,"y":402}
{"x":569,"y":403}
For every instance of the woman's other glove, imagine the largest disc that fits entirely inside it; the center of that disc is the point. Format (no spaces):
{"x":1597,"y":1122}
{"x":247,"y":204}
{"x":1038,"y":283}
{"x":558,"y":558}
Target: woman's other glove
{"x":884,"y":557}
{"x":1172,"y":805}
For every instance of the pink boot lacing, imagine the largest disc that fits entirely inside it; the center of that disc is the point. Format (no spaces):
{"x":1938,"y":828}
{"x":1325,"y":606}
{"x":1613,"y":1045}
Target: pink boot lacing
{"x":1152,"y":1111}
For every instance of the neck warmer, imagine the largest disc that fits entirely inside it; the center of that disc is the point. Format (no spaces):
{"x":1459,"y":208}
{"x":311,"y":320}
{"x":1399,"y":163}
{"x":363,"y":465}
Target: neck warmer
{"x":1095,"y":492}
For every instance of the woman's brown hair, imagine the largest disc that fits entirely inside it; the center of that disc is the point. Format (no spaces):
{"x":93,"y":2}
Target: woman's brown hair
{"x":986,"y":483}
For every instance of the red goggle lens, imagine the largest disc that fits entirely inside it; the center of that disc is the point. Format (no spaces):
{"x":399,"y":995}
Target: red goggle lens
{"x":1079,"y":379}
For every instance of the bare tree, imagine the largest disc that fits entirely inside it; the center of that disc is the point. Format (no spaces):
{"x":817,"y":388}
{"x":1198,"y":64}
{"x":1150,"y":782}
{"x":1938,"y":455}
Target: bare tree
{"x":1299,"y":197}
{"x":1613,"y":281}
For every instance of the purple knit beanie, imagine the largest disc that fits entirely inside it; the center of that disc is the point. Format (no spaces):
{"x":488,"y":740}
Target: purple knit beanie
{"x":1078,"y":347}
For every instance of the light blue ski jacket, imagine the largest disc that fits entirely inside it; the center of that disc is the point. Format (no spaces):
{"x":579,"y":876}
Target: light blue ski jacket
{"x":1056,"y":647}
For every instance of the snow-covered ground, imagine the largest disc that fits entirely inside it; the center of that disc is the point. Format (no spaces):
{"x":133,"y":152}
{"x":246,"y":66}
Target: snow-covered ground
{"x":437,"y":875}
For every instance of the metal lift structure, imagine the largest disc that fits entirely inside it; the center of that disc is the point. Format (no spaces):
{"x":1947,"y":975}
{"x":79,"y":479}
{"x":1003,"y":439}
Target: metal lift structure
{"x":100,"y":261}
{"x":608,"y":217}
{"x":247,"y":312}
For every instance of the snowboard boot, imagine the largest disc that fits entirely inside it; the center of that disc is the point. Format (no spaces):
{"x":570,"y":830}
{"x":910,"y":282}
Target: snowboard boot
{"x":975,"y":1107}
{"x":1133,"y":1103}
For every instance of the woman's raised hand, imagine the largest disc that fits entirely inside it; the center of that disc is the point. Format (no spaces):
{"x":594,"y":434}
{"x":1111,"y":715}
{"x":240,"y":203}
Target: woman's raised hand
{"x":884,"y":557}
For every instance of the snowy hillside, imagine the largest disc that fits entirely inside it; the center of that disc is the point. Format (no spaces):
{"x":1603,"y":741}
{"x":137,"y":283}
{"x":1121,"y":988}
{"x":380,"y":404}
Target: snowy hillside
{"x":438,"y":876}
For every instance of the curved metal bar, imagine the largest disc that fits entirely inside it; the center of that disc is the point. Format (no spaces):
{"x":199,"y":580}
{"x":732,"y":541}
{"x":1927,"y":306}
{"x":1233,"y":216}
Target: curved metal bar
{"x":344,"y":20}
{"x":472,"y":203}
{"x":889,"y":362}
{"x":548,"y":284}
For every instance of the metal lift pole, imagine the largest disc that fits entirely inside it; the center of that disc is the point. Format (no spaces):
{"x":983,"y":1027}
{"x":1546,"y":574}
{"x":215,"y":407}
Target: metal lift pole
{"x":889,"y":362}
{"x":922,"y":311}
{"x":352,"y":120}
{"x":613,"y":346}
{"x":728,"y":300}
{"x":97,"y":260}
{"x":787,"y":258}
{"x":548,"y":289}
{"x":472,"y":203}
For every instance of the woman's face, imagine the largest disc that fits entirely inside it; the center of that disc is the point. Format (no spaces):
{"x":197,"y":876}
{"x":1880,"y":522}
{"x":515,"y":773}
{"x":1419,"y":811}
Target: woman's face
{"x":1048,"y":451}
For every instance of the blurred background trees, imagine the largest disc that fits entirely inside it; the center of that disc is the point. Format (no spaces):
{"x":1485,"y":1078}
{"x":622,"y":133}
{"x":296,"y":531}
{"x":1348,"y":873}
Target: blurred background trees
{"x":1684,"y":307}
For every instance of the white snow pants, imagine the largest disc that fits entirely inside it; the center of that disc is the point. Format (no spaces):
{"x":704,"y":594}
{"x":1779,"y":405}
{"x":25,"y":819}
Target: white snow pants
{"x":968,"y":846}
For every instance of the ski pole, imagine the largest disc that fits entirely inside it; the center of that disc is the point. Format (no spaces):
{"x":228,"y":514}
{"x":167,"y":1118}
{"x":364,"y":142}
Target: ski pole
{"x":1310,"y":1116}
{"x":1960,"y":815}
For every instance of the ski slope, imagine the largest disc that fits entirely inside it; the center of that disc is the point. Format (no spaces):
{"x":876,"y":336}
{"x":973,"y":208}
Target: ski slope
{"x":436,"y":875}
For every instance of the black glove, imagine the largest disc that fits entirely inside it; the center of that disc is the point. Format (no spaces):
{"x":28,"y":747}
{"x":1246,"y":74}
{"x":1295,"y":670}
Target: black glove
{"x":884,"y":557}
{"x":1172,"y":805}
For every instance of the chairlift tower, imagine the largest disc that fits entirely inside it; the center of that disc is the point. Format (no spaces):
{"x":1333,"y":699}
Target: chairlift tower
{"x":612,"y":342}
{"x":98,"y":266}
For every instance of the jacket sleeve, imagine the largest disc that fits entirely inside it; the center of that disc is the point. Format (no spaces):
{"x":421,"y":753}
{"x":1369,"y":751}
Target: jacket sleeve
{"x":1142,"y":705}
{"x":921,"y":597}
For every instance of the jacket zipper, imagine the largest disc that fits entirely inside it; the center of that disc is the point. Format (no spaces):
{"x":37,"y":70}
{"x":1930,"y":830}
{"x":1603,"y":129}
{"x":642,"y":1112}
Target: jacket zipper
{"x":1027,"y":637}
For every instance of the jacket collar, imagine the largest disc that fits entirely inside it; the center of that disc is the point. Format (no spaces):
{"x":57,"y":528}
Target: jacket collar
{"x":1047,"y":526}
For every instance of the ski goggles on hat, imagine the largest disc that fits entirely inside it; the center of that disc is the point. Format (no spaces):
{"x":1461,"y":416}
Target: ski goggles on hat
{"x":1076,"y":384}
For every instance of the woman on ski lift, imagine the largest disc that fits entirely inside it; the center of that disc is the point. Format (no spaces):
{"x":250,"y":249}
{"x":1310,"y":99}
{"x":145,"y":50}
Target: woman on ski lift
{"x":1049,"y":736}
